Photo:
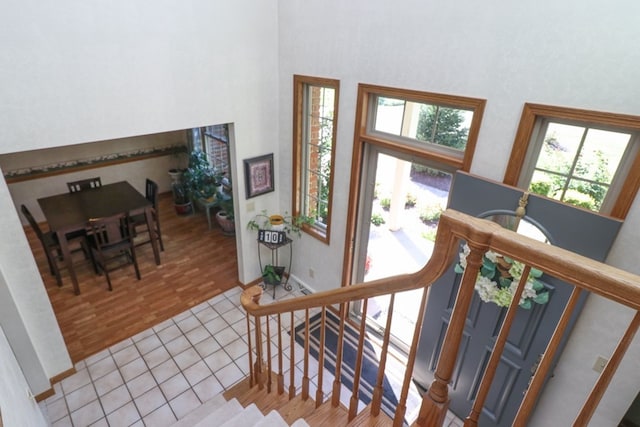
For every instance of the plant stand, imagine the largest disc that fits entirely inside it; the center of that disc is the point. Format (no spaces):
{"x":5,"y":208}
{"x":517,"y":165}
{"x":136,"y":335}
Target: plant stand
{"x":207,"y":205}
{"x":273,"y":252}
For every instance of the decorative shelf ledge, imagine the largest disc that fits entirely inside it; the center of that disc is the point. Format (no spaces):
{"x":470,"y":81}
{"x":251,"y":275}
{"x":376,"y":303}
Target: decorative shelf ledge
{"x":37,"y":172}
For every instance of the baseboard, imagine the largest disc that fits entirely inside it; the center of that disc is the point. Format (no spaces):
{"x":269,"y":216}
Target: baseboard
{"x":55,"y":379}
{"x":304,"y":287}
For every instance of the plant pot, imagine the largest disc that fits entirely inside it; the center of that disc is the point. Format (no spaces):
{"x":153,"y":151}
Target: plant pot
{"x":175,"y":174}
{"x":227,"y":225}
{"x":184,"y":208}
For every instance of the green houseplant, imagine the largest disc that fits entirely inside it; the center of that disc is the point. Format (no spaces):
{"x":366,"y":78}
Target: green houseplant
{"x":181,"y":200}
{"x":272,"y":275}
{"x":290,"y":224}
{"x":200,"y":179}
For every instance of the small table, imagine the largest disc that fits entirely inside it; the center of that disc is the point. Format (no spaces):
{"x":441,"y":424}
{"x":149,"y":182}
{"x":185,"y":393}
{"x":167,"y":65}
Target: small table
{"x":70,"y":212}
{"x":207,"y":205}
{"x":273,"y":248}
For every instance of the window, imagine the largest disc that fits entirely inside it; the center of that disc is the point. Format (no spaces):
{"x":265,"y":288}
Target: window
{"x":582,"y":158}
{"x":216,"y":143}
{"x":315,"y":125}
{"x":426,"y":123}
{"x":437,"y":127}
{"x":400,"y":132}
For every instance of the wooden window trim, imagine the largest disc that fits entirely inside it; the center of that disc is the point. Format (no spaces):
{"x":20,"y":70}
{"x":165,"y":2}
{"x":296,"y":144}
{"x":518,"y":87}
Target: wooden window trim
{"x":532,"y":112}
{"x":299,"y":82}
{"x":454,"y":101}
{"x":361,"y":137}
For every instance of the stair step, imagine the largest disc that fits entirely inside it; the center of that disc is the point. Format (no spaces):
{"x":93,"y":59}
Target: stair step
{"x":329,"y":415}
{"x":300,"y":423}
{"x":201,"y":411}
{"x":225,"y":412}
{"x":272,"y":419}
{"x":249,"y":416}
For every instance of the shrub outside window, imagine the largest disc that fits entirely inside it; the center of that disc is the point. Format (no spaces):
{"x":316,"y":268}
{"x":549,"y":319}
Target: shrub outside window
{"x":583,"y":158}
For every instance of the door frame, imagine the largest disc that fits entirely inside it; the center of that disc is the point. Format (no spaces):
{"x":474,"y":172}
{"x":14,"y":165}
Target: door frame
{"x":364,"y":137}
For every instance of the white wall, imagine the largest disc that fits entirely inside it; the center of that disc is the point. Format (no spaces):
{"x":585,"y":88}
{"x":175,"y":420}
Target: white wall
{"x":545,"y":51}
{"x":76,"y":72}
{"x":17,"y":408}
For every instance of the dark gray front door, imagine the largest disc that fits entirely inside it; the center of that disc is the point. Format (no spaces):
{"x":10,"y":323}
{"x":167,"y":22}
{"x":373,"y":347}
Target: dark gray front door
{"x":574,"y":229}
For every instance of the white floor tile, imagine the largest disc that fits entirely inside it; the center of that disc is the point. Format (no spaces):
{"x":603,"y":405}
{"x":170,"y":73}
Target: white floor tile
{"x":102,"y":367}
{"x":75,"y":381}
{"x":88,"y":414}
{"x":174,"y":386}
{"x":80,"y":397}
{"x":133,"y":369}
{"x":115,"y":399}
{"x":161,"y":417}
{"x":124,"y":416}
{"x":141,"y":384}
{"x":184,"y":403}
{"x":150,"y":401}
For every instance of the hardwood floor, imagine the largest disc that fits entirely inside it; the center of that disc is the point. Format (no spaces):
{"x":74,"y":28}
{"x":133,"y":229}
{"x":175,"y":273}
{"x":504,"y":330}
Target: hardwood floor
{"x":197,"y":264}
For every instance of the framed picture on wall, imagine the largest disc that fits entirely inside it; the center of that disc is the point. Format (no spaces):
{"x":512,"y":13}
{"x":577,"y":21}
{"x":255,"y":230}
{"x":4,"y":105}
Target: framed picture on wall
{"x":258,"y":175}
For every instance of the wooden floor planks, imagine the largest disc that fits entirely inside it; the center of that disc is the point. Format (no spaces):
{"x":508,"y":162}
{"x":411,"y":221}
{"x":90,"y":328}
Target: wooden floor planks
{"x":197,"y":264}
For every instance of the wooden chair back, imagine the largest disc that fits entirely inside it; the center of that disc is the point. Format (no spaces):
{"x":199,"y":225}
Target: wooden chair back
{"x":32,"y":222}
{"x":151,"y":193}
{"x":111,"y":238}
{"x":84,"y":184}
{"x":140,"y":222}
{"x":110,"y":231}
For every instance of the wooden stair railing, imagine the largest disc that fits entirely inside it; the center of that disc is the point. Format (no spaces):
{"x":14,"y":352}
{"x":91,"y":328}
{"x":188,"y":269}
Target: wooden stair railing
{"x":481,"y":235}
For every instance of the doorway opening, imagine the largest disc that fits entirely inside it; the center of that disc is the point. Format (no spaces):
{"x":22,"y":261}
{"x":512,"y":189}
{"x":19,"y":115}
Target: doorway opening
{"x":407,"y":146}
{"x":401,"y":208}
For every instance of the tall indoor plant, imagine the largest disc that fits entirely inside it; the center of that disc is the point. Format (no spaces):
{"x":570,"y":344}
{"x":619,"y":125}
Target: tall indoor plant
{"x":201,"y":180}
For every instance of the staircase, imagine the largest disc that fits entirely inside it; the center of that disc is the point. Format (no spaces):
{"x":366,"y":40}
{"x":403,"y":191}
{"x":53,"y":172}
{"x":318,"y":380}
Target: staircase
{"x":276,"y":382}
{"x":278,"y":388}
{"x":230,"y":413}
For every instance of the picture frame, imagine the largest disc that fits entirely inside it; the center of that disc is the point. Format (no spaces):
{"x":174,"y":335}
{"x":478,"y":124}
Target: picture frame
{"x":258,"y":175}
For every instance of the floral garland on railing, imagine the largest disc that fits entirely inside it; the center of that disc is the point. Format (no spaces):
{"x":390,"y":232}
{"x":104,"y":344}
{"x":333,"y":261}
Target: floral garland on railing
{"x":498,"y":280}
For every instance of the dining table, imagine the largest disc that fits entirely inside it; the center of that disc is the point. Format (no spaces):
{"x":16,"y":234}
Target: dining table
{"x":70,"y":212}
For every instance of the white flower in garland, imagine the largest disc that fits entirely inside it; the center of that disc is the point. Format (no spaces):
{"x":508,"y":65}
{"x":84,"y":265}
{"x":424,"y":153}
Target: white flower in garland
{"x":498,"y":280}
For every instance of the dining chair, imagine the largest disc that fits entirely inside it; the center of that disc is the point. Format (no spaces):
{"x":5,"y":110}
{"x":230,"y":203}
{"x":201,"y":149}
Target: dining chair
{"x":84,"y":184}
{"x":111,"y":245}
{"x":140,"y":221}
{"x":49,"y":241}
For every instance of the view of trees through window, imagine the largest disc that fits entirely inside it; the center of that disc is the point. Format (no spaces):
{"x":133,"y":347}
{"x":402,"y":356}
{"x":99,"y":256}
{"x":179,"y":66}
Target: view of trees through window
{"x":577,"y":164}
{"x":435,"y":124}
{"x":443,"y":126}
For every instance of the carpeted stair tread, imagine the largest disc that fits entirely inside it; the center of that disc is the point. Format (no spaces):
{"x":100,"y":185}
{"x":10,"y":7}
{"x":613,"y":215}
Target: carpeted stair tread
{"x":249,"y":416}
{"x":225,"y":412}
{"x":272,"y":419}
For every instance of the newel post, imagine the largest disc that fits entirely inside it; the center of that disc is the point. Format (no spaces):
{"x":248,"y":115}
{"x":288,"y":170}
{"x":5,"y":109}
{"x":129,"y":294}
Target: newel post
{"x":436,"y":401}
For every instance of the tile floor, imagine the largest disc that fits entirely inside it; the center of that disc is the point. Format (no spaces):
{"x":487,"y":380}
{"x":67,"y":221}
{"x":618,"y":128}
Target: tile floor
{"x":159,"y":375}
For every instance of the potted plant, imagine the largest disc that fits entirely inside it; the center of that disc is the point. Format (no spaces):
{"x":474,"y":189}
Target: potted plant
{"x":225,"y":216}
{"x":288,"y":223}
{"x":175,"y":173}
{"x":181,"y":201}
{"x":200,"y":179}
{"x":272,"y":275}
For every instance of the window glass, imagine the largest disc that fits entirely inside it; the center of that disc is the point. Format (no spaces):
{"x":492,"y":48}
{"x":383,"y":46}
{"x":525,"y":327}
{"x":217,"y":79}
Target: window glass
{"x":316,"y":101}
{"x":424,"y":122}
{"x":577,"y":164}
